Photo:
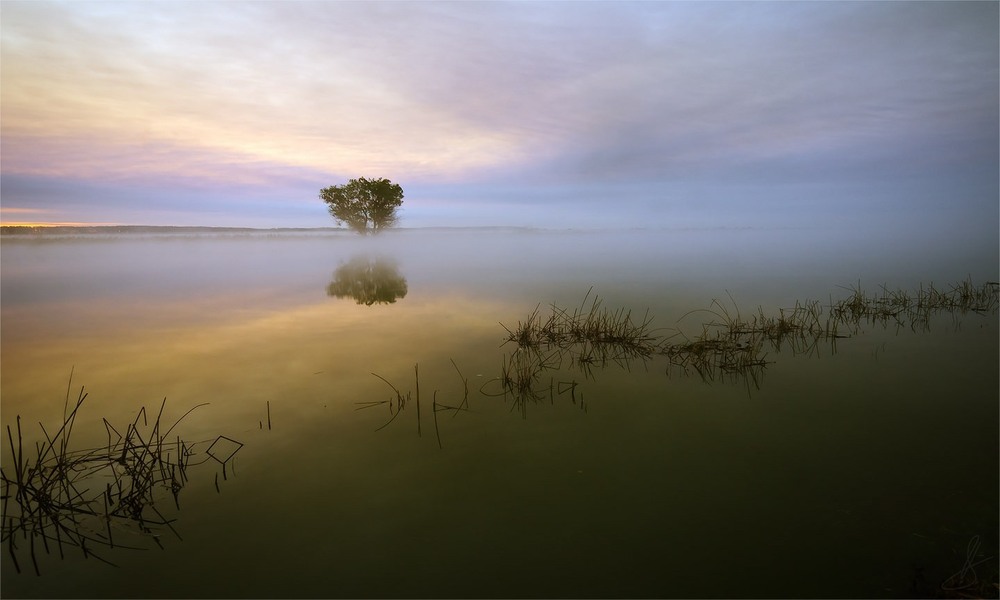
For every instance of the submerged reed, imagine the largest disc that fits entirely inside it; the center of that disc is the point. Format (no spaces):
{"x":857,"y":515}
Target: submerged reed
{"x":735,"y":347}
{"x":63,"y":498}
{"x":585,"y":338}
{"x":729,"y":347}
{"x":398,"y":403}
{"x":914,"y":309}
{"x":593,"y":334}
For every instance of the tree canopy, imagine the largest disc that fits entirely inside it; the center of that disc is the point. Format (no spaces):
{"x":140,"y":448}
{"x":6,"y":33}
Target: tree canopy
{"x":365,"y":205}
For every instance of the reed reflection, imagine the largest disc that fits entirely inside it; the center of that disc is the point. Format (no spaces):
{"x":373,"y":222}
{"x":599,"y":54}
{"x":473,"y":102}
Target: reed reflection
{"x":368,"y":280}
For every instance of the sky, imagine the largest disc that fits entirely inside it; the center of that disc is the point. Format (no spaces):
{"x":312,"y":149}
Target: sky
{"x":540,"y":114}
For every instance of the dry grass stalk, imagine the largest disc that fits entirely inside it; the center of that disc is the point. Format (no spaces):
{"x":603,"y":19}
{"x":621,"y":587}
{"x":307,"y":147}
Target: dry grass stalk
{"x":730,"y":346}
{"x":66,"y":498}
{"x":398,"y":403}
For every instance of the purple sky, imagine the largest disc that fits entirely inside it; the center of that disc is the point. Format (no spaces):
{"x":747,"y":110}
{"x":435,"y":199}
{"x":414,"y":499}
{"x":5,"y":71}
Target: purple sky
{"x":539,"y":114}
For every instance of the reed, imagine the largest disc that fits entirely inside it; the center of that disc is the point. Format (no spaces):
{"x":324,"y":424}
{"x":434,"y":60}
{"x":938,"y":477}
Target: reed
{"x":462,"y":406}
{"x":914,"y":309}
{"x":398,"y":403}
{"x":519,"y":376}
{"x":610,"y":334}
{"x":735,"y":347}
{"x":64,"y":498}
{"x":730,"y":346}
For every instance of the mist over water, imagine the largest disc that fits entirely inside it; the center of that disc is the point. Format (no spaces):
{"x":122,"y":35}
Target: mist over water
{"x":874,"y":456}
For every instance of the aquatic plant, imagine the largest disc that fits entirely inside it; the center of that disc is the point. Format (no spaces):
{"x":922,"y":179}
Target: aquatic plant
{"x":593,"y":334}
{"x":729,"y":346}
{"x":584,"y":338}
{"x":735,"y":346}
{"x":915,"y":309}
{"x":397,"y":403}
{"x":77,"y":498}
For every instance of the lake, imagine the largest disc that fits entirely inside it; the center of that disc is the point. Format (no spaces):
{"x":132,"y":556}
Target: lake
{"x":376,"y":437}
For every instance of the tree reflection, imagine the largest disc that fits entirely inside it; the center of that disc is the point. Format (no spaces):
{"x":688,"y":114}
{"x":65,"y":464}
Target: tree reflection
{"x":369,"y":280}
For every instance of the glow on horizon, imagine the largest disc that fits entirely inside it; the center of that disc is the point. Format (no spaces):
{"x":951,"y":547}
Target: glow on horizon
{"x":32,"y":217}
{"x":53,"y":224}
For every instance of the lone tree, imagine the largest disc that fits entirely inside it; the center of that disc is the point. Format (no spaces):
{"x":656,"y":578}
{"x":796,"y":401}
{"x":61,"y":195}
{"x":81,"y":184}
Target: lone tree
{"x":365,"y":205}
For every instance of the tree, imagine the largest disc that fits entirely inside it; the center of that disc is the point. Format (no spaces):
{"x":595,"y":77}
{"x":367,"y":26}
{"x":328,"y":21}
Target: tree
{"x":365,"y":205}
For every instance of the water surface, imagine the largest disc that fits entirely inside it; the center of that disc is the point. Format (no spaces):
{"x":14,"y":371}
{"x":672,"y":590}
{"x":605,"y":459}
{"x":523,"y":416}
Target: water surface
{"x":859,"y":469}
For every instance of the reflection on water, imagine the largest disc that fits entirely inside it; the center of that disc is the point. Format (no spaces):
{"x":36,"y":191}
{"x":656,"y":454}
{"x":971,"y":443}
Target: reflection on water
{"x":636,"y":475}
{"x":368,"y":280}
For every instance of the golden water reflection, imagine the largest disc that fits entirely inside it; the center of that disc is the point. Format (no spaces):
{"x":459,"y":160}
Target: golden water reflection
{"x":301,"y":358}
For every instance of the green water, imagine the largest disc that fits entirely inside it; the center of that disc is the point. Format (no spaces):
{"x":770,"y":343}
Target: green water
{"x":860,"y":469}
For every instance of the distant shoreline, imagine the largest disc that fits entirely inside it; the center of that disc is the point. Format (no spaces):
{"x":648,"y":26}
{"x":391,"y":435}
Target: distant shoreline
{"x":32,"y":229}
{"x":57,"y":230}
{"x":183,"y":229}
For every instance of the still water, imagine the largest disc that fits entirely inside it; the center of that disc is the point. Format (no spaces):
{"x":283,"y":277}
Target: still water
{"x":865,"y":466}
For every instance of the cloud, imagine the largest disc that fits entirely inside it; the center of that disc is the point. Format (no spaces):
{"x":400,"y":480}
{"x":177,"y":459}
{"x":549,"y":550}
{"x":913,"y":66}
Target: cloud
{"x":87,"y":157}
{"x":576,"y":99}
{"x":217,"y":77}
{"x":847,"y":86}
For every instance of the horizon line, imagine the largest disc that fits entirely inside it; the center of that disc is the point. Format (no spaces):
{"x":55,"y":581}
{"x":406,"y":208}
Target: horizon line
{"x":98,"y":228}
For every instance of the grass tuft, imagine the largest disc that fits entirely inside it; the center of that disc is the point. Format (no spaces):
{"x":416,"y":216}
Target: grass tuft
{"x":66,"y":498}
{"x":730,"y":346}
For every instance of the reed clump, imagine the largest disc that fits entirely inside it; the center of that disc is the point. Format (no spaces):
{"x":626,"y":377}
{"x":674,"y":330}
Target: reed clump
{"x":714,"y":356}
{"x":520,"y":380}
{"x":587,"y":337}
{"x":736,"y":347}
{"x":60,"y":498}
{"x":914,"y":309}
{"x":730,"y":346}
{"x":590,"y":335}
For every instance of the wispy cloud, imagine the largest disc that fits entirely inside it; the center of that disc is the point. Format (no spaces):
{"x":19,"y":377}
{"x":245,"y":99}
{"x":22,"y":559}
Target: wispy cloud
{"x":282,"y":94}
